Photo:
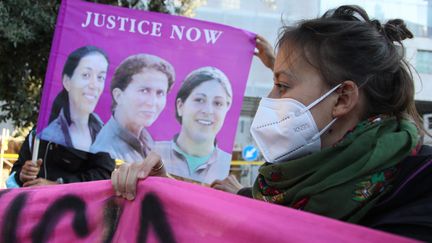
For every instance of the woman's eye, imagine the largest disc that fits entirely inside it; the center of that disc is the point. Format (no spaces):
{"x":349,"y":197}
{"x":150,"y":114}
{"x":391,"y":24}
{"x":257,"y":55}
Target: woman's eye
{"x":199,"y":100}
{"x":101,"y":78}
{"x":86,"y":75}
{"x":160,"y":93}
{"x":218,"y":103}
{"x":145,"y":90}
{"x":281,"y":89}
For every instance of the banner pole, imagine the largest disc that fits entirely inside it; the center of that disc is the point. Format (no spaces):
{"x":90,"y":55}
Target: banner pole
{"x":4,"y":146}
{"x":35,"y":150}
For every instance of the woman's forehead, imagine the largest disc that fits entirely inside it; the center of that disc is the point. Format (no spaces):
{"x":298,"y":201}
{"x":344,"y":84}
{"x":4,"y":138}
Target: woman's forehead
{"x":204,"y":86}
{"x":93,"y":60}
{"x":293,"y":64}
{"x":290,"y":61}
{"x":211,"y":87}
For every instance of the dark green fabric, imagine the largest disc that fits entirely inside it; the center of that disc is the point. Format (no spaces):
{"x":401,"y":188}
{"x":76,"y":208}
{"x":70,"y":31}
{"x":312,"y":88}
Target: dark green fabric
{"x":327,"y":182}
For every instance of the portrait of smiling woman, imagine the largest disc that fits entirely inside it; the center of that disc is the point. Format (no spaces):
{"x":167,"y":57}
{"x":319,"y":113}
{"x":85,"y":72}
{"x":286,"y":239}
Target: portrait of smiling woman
{"x":72,"y":121}
{"x":201,"y":106}
{"x":139,"y":91}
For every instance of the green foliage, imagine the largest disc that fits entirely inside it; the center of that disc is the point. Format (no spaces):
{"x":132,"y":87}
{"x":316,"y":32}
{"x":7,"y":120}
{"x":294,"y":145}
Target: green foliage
{"x":26,"y":29}
{"x":26,"y":32}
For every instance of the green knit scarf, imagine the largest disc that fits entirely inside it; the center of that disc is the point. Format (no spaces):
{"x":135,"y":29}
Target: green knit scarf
{"x":343,"y":181}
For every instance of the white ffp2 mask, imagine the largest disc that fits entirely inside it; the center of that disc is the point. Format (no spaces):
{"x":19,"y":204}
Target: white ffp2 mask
{"x":284,"y":129}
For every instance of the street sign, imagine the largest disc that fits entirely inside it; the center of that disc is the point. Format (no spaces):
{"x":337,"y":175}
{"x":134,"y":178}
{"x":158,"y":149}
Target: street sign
{"x":250,"y":153}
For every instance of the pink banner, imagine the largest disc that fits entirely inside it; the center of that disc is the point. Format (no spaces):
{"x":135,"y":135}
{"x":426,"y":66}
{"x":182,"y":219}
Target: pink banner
{"x":164,"y":210}
{"x":113,"y":83}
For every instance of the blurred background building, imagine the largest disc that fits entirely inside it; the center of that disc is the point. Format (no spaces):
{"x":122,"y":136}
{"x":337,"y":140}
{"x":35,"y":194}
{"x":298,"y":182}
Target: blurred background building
{"x":265,"y":17}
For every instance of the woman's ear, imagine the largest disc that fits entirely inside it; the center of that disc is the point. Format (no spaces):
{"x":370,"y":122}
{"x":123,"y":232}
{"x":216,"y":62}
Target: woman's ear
{"x":66,"y":82}
{"x":117,"y":93}
{"x":179,"y":104}
{"x":348,"y":100}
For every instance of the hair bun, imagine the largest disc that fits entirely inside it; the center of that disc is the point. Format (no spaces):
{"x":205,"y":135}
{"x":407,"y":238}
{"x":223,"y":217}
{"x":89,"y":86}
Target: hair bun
{"x":375,"y":23}
{"x":396,"y":30}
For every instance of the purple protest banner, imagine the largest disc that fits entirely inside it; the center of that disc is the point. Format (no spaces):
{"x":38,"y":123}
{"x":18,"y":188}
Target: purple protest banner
{"x":164,"y":210}
{"x":125,"y":82}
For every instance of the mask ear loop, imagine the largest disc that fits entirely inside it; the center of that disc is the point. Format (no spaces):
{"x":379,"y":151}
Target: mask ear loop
{"x":320,"y":98}
{"x":318,"y":135}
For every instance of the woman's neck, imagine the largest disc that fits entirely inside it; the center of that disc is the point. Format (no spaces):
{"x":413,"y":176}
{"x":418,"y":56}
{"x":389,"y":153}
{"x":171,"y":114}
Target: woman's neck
{"x":131,"y":127}
{"x":78,"y":129}
{"x":79,"y":119}
{"x":338,"y":131}
{"x":194,"y":148}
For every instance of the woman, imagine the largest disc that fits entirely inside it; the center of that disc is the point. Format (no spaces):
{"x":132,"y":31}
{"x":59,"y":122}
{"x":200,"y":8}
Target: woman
{"x":201,"y":106}
{"x":57,"y":165}
{"x":73,"y":122}
{"x":138,"y":88}
{"x":337,"y":125}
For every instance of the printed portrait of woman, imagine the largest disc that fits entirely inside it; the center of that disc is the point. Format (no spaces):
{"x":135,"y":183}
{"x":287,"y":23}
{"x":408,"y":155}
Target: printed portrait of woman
{"x":201,"y":106}
{"x":73,"y":122}
{"x":139,"y":92}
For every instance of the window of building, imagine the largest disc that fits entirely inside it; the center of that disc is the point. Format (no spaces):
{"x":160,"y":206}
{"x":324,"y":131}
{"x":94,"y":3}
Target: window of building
{"x":424,"y":61}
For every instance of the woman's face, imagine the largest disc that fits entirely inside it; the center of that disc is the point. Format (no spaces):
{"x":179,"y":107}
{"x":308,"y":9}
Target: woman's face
{"x":203,"y":112}
{"x":295,"y":78}
{"x":87,"y":82}
{"x":143,"y":99}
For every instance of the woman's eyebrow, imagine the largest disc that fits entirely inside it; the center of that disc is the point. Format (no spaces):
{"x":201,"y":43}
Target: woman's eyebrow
{"x":88,"y":67}
{"x":203,"y":94}
{"x":287,"y":73}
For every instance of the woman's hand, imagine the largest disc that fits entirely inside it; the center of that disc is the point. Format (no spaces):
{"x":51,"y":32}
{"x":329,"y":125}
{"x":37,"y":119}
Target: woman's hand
{"x":265,"y":52}
{"x":229,"y":184}
{"x":125,"y":178}
{"x":29,"y":171}
{"x":39,"y":182}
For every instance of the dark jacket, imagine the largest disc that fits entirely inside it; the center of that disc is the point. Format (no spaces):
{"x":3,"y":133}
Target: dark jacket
{"x":407,"y":209}
{"x":69,"y":164}
{"x":58,"y":130}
